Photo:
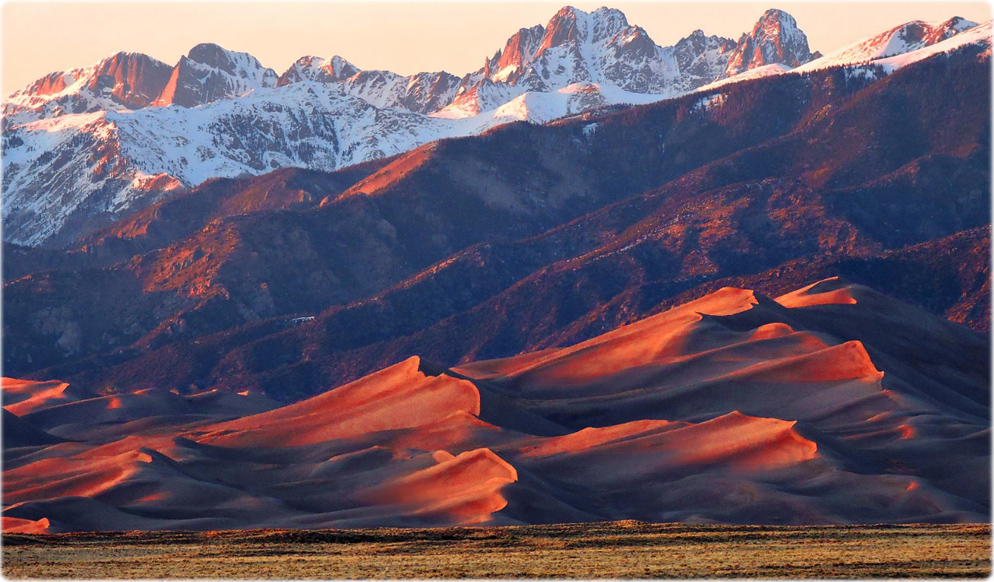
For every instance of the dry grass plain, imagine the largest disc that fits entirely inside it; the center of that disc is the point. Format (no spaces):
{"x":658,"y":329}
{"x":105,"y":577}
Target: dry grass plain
{"x":601,"y":550}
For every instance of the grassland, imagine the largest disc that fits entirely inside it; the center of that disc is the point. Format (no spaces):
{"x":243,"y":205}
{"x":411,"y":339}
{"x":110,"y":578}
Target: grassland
{"x":603,"y":550}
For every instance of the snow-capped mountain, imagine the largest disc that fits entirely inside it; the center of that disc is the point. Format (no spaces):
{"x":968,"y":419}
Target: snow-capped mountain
{"x":872,"y":58}
{"x":133,"y":81}
{"x":210,"y":73}
{"x":420,"y":93}
{"x":701,"y":56}
{"x":775,"y":40}
{"x":906,"y":38}
{"x":122,"y":81}
{"x":600,"y":51}
{"x":84,"y":147}
{"x":75,"y":172}
{"x":318,"y":70}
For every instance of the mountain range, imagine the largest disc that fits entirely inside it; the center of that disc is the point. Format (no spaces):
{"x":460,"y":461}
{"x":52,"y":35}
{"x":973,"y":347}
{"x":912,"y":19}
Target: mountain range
{"x":524,"y":237}
{"x":85,"y":147}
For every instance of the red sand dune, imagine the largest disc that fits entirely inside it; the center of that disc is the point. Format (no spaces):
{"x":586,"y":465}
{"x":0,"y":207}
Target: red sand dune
{"x":841,"y":362}
{"x":24,"y":396}
{"x":27,"y":526}
{"x":731,"y":408}
{"x":644,"y":341}
{"x":589,"y":438}
{"x":465,"y":488}
{"x":743,"y":442}
{"x":827,"y":292}
{"x":400,"y":396}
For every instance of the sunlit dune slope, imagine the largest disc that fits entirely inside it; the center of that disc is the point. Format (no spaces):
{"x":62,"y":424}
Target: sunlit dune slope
{"x":23,"y":396}
{"x":830,"y":404}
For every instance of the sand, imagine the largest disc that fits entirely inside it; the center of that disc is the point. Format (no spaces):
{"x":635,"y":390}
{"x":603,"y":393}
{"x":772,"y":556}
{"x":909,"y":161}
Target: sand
{"x":830,"y":405}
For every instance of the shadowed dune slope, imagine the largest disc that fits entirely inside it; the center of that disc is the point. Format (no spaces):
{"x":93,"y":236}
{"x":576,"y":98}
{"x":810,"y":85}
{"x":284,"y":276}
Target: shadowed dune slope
{"x":829,"y":404}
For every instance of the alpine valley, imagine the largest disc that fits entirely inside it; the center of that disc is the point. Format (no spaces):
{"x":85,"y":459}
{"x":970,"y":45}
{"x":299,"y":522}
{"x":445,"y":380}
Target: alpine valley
{"x":728,"y":280}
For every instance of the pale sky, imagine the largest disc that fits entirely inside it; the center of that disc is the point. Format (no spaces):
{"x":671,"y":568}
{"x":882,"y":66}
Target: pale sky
{"x":404,"y":37}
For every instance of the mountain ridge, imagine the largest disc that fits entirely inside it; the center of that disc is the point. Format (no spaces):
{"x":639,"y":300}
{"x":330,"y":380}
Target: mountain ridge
{"x":56,"y":190}
{"x":524,"y":237}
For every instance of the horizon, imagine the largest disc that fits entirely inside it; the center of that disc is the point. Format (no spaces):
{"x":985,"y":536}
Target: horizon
{"x":35,"y":42}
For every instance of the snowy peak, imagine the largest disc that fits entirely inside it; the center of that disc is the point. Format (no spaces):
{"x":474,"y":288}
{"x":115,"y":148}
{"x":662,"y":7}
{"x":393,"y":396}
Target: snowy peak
{"x":571,"y":35}
{"x":604,"y":23}
{"x":914,"y":35}
{"x":210,"y":73}
{"x":132,"y":79}
{"x":571,"y":25}
{"x":948,"y":29}
{"x":599,"y":51}
{"x":703,"y":56}
{"x":517,"y":53}
{"x":318,"y":70}
{"x":906,"y":38}
{"x":562,"y":29}
{"x":428,"y":92}
{"x":774,"y":40}
{"x":121,"y":81}
{"x":51,"y":84}
{"x":420,"y":93}
{"x":242,"y":65}
{"x":977,"y":37}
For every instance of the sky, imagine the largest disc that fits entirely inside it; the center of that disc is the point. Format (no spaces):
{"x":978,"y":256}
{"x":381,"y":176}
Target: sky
{"x":37,"y":38}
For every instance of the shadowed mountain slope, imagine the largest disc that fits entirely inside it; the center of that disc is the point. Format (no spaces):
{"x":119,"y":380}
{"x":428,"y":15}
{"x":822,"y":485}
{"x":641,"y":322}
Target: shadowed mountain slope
{"x":529,"y":237}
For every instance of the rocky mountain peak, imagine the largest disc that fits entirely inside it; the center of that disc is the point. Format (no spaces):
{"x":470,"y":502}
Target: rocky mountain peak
{"x":574,"y":25}
{"x":949,"y":28}
{"x":211,"y":55}
{"x":210,"y":73}
{"x":339,"y":68}
{"x":518,"y":51}
{"x":132,"y":79}
{"x":317,"y":69}
{"x":241,"y":65}
{"x":775,"y":39}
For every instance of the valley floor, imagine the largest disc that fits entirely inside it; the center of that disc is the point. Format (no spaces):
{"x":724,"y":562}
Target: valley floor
{"x":602,"y":550}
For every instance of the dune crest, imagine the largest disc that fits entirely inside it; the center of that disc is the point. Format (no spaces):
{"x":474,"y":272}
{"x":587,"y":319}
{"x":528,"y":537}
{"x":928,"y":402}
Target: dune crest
{"x":840,"y":362}
{"x":632,"y":345}
{"x":831,"y":291}
{"x":590,"y":438}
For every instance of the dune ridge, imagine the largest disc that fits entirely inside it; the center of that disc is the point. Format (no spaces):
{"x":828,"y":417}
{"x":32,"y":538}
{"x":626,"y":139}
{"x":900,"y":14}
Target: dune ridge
{"x":811,"y":408}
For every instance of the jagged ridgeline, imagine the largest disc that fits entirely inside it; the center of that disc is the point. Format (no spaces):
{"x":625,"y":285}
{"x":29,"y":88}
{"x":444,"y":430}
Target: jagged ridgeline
{"x":85,"y":147}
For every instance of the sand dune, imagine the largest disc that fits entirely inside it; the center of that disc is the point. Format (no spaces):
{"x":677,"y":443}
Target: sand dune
{"x":832,"y":404}
{"x":464,"y":488}
{"x":15,"y":525}
{"x":827,"y":292}
{"x":400,"y":396}
{"x":24,"y":396}
{"x":18,"y":433}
